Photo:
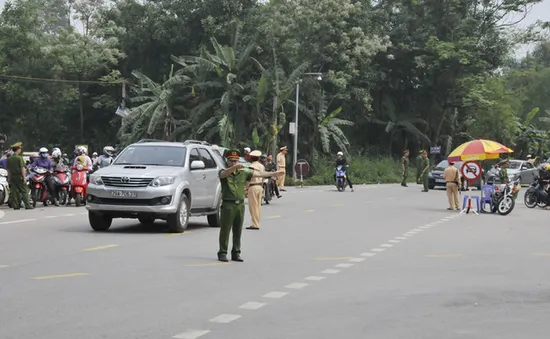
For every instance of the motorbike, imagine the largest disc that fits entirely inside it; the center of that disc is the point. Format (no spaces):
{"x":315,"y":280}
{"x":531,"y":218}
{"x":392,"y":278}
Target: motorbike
{"x":341,"y":178}
{"x":268,"y":190}
{"x":79,"y":184}
{"x":537,"y":194}
{"x":504,"y":197}
{"x":62,"y":183}
{"x":4,"y":187}
{"x":39,"y":190}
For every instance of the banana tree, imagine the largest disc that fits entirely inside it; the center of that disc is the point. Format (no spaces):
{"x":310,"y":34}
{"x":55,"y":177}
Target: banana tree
{"x":156,"y":107}
{"x":229,"y":64}
{"x":326,"y":127}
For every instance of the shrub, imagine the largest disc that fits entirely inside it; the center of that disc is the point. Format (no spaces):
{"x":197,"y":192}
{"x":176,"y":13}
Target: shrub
{"x":362,"y":170}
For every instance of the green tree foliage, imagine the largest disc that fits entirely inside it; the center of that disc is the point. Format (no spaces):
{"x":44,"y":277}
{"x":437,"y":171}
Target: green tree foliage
{"x":395,"y":74}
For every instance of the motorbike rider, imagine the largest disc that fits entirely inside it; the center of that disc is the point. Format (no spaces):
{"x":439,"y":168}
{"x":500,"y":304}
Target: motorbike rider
{"x":81,"y":151}
{"x":95,"y":160}
{"x":4,"y":159}
{"x":247,"y":154}
{"x":106,"y":158}
{"x":58,"y":159}
{"x":341,"y":161}
{"x":45,"y":162}
{"x":271,"y":167}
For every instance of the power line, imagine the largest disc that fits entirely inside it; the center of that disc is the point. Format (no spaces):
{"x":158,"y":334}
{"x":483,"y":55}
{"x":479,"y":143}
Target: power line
{"x":74,"y":82}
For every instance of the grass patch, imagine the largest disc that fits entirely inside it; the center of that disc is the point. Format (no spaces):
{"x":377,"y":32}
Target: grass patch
{"x":362,"y":170}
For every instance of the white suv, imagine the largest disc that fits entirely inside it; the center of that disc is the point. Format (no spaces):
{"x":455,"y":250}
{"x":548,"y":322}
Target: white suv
{"x":157,"y":180}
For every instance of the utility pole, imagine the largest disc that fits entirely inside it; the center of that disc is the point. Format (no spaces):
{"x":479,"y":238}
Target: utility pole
{"x":319,"y":78}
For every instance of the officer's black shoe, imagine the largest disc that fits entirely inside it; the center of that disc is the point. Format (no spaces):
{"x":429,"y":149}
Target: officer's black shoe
{"x":237,"y":258}
{"x":223,"y":258}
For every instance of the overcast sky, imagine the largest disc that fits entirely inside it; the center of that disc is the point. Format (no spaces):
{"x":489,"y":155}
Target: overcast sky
{"x":540,"y":11}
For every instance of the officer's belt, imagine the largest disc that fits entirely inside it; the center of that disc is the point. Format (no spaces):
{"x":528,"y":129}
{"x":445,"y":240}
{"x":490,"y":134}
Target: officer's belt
{"x":255,"y":185}
{"x":235,"y":202}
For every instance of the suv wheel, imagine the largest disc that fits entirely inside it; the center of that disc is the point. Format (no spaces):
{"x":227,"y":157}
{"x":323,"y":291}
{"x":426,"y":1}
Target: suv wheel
{"x":177,"y":223}
{"x":214,"y":219}
{"x":99,"y":221}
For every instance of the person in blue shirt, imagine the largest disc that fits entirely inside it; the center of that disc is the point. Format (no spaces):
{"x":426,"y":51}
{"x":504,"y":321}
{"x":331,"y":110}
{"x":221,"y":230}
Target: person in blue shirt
{"x":45,"y":162}
{"x":4,"y":159}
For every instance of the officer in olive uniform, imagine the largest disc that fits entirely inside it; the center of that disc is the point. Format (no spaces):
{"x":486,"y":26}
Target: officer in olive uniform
{"x":419,"y":166}
{"x":425,"y":170}
{"x":17,"y":178}
{"x":405,"y":167}
{"x":233,"y":181}
{"x":503,"y":173}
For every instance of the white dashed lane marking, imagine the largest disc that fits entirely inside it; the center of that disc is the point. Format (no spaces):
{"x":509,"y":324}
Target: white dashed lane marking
{"x":275,"y":295}
{"x":225,"y":318}
{"x":296,"y":285}
{"x":368,"y":254}
{"x":16,"y":221}
{"x":393,"y":241}
{"x":330,"y":271}
{"x":378,"y":249}
{"x":357,"y":259}
{"x":344,"y":265}
{"x":386,"y":245}
{"x":252,"y":305}
{"x":400,"y":238}
{"x":190,"y":334}
{"x":315,"y":278}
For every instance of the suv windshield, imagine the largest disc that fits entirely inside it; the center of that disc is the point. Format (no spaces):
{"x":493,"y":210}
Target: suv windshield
{"x":152,"y":155}
{"x":515,"y":165}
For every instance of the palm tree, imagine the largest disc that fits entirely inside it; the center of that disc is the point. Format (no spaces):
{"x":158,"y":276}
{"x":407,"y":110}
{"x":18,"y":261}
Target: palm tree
{"x":326,"y":127}
{"x":229,"y":67}
{"x":157,"y":107}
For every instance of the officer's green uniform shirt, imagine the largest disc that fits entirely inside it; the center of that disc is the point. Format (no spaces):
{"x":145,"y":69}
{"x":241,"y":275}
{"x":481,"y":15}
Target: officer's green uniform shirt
{"x":234,"y":184}
{"x":15,"y":164}
{"x":425,"y":162}
{"x":405,"y":161}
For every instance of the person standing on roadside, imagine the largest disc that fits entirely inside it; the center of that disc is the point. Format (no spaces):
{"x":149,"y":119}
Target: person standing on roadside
{"x":271,"y":167}
{"x":405,"y":167}
{"x":419,"y":166}
{"x":452,"y":179}
{"x":425,"y":169}
{"x":255,"y":191}
{"x":17,"y":178}
{"x":281,"y":166}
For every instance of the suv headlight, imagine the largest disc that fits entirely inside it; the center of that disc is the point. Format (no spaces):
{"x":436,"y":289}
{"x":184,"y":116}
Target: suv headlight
{"x":96,"y":179}
{"x":162,"y":181}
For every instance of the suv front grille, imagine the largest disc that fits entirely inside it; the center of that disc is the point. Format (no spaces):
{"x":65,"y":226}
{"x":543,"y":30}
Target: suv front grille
{"x":126,"y":181}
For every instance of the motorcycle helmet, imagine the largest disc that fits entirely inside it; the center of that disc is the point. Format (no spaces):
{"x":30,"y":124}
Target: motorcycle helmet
{"x":263,"y":156}
{"x":109,"y":150}
{"x":56,"y":153}
{"x":340,"y":153}
{"x":43,"y":152}
{"x":94,"y":154}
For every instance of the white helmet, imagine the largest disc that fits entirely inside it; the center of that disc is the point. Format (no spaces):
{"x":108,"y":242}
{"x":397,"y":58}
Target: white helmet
{"x":94,"y":154}
{"x":247,"y":149}
{"x":82,"y":150}
{"x":43,"y":150}
{"x":109,"y":150}
{"x":340,"y":153}
{"x":56,"y":153}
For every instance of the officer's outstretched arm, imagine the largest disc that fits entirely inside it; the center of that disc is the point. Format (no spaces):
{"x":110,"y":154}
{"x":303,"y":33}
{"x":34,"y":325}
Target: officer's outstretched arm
{"x":260,"y":174}
{"x":227,"y":172}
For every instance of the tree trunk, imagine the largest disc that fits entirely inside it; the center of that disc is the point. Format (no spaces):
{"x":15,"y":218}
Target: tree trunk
{"x":81,"y":107}
{"x":274,"y":125}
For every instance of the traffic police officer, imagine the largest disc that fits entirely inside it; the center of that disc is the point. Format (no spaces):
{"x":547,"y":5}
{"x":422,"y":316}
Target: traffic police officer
{"x":233,"y":182}
{"x":255,"y":190}
{"x":17,"y":177}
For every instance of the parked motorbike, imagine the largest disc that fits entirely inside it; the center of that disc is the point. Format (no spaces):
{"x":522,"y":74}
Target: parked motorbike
{"x":4,"y":187}
{"x":341,"y":178}
{"x":79,"y":184}
{"x":39,"y":190}
{"x":537,"y":194}
{"x":504,"y":197}
{"x":62,"y":183}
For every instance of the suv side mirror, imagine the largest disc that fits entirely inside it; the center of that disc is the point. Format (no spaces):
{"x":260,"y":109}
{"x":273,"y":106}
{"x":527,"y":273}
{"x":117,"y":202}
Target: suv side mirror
{"x":197,"y":165}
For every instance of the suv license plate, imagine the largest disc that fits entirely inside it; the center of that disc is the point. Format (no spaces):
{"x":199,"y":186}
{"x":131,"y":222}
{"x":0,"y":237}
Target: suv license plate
{"x":440,"y":180}
{"x":124,"y":194}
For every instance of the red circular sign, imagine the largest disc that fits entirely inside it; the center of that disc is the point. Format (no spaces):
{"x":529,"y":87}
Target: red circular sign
{"x":301,"y":167}
{"x":471,"y":170}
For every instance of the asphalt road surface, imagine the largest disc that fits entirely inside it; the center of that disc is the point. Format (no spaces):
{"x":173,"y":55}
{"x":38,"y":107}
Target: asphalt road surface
{"x":382,"y":262}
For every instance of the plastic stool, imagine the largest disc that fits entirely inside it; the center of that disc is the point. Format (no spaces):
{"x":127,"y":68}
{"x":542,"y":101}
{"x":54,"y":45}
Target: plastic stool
{"x":474,"y":197}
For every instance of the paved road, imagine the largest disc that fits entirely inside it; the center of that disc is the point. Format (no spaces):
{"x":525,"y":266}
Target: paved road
{"x":381,"y":262}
